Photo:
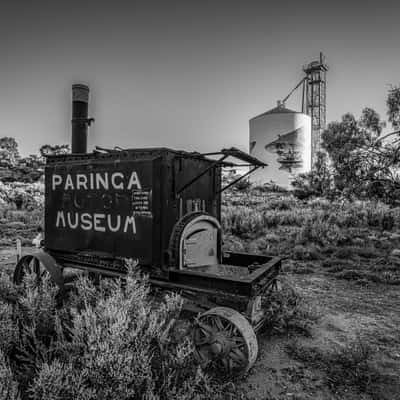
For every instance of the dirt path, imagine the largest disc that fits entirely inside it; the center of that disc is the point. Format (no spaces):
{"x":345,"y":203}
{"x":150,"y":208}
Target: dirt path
{"x":348,"y":311}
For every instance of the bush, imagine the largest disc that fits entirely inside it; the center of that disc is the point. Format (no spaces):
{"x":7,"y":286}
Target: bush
{"x":59,"y":381}
{"x":270,"y":187}
{"x":8,"y":385}
{"x":345,"y":365}
{"x":112,"y":341}
{"x":27,"y":196}
{"x":307,"y":253}
{"x":8,"y":329}
{"x":318,"y":182}
{"x":287,"y":311}
{"x":322,"y":233}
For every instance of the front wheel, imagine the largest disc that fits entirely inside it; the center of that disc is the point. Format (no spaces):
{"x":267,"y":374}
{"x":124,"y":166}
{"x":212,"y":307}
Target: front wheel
{"x":225,"y":341}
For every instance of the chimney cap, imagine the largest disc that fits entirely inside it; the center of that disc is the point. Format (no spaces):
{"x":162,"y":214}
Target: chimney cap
{"x":80,"y":86}
{"x":80,"y":92}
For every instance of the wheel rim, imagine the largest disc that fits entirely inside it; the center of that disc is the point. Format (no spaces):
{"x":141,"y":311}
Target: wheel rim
{"x":30,"y":265}
{"x":225,"y":341}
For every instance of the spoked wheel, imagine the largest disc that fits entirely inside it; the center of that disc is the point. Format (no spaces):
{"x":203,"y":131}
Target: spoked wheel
{"x":225,"y":341}
{"x":27,"y":265}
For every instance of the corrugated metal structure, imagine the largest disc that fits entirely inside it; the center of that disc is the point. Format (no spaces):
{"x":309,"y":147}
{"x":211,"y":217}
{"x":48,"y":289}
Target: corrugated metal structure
{"x":282,"y":139}
{"x":315,"y":101}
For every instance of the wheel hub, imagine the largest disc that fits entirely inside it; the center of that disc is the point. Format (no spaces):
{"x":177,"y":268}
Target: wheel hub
{"x":224,"y":341}
{"x":219,"y":344}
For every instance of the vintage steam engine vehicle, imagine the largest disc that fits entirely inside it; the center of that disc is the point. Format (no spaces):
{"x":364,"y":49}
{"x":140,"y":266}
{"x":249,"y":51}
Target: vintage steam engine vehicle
{"x":162,"y":208}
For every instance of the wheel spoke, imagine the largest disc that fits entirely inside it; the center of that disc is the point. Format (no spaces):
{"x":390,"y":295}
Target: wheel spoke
{"x":238,"y":342}
{"x":231,"y":345}
{"x":207,"y":329}
{"x":230,"y":365}
{"x":218,"y":324}
{"x":27,"y":266}
{"x":238,"y":356}
{"x":231,"y":331}
{"x":200,"y":336}
{"x":36,"y":266}
{"x":31,"y":265}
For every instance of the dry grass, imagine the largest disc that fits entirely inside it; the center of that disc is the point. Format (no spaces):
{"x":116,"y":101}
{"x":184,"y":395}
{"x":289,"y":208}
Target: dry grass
{"x":349,"y":365}
{"x":351,"y":241}
{"x":19,"y":224}
{"x":288,"y":312}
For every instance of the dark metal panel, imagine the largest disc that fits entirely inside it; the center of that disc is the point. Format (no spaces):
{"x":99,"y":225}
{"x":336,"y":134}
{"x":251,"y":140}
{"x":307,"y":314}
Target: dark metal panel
{"x":158,"y":187}
{"x":244,"y":259}
{"x":201,"y":195}
{"x":208,"y":281}
{"x":242,"y":278}
{"x":104,"y":206}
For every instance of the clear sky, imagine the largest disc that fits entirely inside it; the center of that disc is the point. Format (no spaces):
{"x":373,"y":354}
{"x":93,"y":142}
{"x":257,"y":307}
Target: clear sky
{"x":185,"y":74}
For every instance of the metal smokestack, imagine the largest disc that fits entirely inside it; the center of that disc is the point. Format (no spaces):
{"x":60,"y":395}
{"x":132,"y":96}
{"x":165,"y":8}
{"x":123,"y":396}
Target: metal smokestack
{"x":80,"y":120}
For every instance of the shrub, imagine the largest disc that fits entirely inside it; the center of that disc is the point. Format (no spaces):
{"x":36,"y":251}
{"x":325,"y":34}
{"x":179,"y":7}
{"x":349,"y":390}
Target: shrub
{"x":112,"y":341}
{"x":27,"y":196}
{"x":318,"y":182}
{"x":270,"y":187}
{"x":368,"y":276}
{"x":322,"y":233}
{"x":8,"y":329}
{"x":59,"y":381}
{"x":306,"y":253}
{"x":345,"y":365}
{"x":281,"y":204}
{"x":243,"y":185}
{"x":8,"y":385}
{"x":287,"y":311}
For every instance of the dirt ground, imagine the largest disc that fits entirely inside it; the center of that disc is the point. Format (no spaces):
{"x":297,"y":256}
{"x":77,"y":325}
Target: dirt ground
{"x":347,"y":310}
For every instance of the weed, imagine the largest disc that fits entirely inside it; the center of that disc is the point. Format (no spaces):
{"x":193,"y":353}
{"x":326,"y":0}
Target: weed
{"x":8,"y":385}
{"x":304,"y":269}
{"x":307,"y":253}
{"x":287,"y":311}
{"x":367,"y":276}
{"x":347,"y":365}
{"x":322,"y":233}
{"x":111,"y":341}
{"x":281,"y":204}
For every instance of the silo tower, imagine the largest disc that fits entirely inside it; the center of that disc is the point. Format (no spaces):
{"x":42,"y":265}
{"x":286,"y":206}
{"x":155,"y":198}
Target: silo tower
{"x":314,"y":102}
{"x":282,"y":139}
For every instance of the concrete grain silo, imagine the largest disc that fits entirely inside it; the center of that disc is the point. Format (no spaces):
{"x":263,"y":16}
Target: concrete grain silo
{"x":281,"y":138}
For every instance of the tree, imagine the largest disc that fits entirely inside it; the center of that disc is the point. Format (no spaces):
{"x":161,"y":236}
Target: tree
{"x":342,"y":140}
{"x":370,"y":120}
{"x":318,"y":182}
{"x":393,"y":105}
{"x":8,"y":151}
{"x":47,"y":149}
{"x":365,"y":163}
{"x":29,"y":169}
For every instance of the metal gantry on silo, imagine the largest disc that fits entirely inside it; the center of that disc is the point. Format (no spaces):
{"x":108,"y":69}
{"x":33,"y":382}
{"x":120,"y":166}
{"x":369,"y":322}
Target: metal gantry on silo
{"x":314,"y":101}
{"x":282,"y":139}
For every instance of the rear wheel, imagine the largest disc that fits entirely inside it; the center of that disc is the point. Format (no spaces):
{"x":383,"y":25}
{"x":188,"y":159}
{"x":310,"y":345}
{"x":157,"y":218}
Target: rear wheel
{"x":29,"y":265}
{"x":225,"y":341}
